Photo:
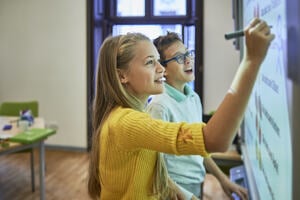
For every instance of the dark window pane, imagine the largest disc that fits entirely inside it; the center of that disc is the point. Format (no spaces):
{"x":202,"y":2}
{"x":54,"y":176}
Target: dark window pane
{"x":129,"y":8}
{"x":169,"y":7}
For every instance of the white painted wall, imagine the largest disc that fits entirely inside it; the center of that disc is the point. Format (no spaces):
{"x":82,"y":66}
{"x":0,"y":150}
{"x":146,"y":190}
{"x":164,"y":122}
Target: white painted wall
{"x":43,"y":57}
{"x":220,"y":57}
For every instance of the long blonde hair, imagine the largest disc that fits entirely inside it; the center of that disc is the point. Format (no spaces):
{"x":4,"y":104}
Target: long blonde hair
{"x":116,"y":53}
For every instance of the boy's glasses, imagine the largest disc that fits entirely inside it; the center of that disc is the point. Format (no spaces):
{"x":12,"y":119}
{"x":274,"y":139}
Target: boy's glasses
{"x":181,"y":58}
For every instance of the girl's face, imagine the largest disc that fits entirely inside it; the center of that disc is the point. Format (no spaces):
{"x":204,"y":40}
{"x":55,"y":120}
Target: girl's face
{"x":145,"y":74}
{"x":178,"y":74}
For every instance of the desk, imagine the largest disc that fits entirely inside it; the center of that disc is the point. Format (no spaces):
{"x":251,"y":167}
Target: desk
{"x":24,"y":144}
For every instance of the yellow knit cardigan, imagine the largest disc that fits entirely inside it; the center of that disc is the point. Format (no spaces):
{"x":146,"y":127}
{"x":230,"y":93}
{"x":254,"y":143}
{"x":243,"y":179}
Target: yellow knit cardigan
{"x":129,"y":144}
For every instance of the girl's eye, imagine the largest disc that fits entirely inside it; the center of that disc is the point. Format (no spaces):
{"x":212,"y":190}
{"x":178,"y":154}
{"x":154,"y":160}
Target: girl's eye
{"x":150,"y":62}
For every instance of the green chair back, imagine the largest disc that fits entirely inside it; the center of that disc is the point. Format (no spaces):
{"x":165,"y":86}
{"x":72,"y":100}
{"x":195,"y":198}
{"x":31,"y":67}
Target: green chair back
{"x":14,"y":108}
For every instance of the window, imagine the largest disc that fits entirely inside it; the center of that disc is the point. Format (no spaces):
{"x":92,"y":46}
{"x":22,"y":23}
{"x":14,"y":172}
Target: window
{"x":130,"y":8}
{"x":134,"y":8}
{"x":169,"y":7}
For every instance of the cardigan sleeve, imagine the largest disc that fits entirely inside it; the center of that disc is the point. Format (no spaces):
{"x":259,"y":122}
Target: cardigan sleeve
{"x":133,"y":130}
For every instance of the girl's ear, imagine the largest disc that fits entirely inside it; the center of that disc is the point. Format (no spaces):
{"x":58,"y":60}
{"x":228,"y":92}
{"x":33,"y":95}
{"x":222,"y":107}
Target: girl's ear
{"x":122,"y":76}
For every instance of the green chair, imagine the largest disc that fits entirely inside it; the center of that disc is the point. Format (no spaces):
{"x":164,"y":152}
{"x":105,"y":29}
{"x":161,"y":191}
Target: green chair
{"x":13,"y":109}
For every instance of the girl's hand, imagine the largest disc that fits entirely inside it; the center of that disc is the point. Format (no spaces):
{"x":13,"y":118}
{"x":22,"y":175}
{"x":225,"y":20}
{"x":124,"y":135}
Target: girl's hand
{"x":258,"y":37}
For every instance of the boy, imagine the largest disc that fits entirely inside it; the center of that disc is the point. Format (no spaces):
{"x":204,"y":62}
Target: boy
{"x":180,"y":103}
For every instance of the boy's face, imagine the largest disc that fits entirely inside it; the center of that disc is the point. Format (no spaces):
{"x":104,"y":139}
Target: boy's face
{"x":177,"y":74}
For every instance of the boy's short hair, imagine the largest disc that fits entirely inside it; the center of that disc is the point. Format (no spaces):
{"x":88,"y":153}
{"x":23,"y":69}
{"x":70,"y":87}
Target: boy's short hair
{"x":163,"y":42}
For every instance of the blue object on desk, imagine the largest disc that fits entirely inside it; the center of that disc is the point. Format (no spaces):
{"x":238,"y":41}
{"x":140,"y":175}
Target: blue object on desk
{"x":26,"y":115}
{"x":6,"y":127}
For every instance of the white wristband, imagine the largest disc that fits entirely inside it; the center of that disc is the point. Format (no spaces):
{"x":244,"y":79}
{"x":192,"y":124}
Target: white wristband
{"x":232,"y":91}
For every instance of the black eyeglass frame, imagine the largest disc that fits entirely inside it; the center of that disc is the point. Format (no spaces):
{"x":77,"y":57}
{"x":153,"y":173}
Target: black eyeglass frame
{"x":189,"y":53}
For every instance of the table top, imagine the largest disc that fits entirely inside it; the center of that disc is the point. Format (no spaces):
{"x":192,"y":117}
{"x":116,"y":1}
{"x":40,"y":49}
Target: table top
{"x":38,"y":123}
{"x":15,"y":137}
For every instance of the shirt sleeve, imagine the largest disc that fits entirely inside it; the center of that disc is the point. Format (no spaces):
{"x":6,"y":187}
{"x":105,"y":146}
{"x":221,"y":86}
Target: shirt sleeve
{"x":158,"y":111}
{"x":134,"y":130}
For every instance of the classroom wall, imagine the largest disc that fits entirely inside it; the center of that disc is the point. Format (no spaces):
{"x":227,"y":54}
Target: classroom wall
{"x":220,"y":57}
{"x":43,"y":57}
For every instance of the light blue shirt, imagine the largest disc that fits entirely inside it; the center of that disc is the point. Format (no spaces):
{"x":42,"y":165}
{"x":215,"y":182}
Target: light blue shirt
{"x":174,"y":106}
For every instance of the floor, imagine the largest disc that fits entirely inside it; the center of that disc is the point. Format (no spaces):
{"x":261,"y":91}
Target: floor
{"x":66,"y":173}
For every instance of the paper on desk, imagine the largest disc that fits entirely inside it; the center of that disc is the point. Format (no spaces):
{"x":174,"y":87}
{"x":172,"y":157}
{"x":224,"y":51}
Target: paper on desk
{"x":4,"y":135}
